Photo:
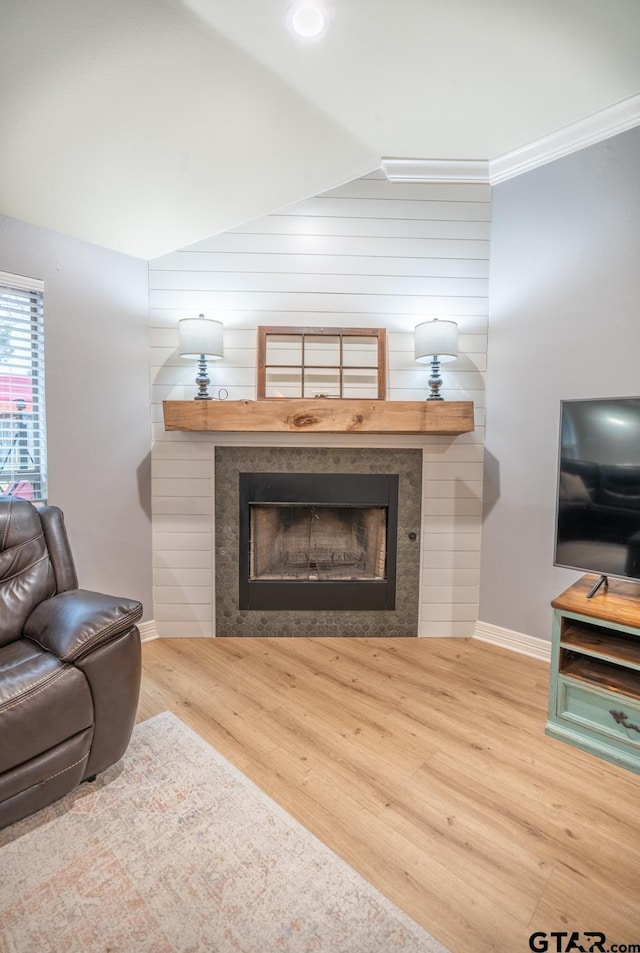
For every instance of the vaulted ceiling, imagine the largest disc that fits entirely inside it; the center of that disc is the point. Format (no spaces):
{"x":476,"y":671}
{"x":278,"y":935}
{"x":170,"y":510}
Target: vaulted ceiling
{"x":145,"y":125}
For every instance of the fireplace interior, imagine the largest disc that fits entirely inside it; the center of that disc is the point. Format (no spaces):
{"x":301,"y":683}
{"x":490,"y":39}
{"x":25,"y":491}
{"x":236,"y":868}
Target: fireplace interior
{"x":317,"y":541}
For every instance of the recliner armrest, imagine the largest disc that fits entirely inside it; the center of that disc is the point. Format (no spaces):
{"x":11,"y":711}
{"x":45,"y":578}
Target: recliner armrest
{"x":74,"y":623}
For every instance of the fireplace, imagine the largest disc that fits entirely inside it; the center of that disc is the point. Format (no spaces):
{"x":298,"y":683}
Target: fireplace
{"x":326,"y":467}
{"x":317,"y":541}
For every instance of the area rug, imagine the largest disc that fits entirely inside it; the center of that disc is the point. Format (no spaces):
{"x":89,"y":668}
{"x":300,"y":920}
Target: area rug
{"x":175,"y":851}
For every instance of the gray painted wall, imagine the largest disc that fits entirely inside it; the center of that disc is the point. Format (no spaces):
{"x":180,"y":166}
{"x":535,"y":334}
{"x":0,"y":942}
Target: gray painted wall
{"x":564,"y":323}
{"x":97,"y":399}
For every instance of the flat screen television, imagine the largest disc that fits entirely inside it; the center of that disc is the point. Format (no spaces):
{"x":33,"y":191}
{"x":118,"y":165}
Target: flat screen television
{"x":598,"y":498}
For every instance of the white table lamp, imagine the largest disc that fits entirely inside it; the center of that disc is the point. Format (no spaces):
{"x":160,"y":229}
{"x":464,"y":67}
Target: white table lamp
{"x":435,"y":342}
{"x":201,"y":338}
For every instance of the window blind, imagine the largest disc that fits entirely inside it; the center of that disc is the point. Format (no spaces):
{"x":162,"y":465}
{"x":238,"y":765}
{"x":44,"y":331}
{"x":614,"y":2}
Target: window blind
{"x":23,"y":449}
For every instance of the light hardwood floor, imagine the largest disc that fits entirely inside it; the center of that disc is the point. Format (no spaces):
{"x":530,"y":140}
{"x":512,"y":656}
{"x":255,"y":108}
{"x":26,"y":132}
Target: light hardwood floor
{"x":424,"y":764}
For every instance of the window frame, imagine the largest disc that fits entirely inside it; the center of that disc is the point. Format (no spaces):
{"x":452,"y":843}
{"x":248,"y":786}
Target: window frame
{"x":381,"y":367}
{"x":25,"y":433}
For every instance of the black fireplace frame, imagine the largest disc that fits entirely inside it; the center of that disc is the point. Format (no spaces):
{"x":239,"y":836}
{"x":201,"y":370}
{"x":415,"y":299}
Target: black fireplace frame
{"x":318,"y":489}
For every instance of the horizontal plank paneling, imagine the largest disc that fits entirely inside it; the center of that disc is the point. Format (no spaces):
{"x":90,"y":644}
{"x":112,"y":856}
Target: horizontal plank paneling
{"x":449,"y":612}
{"x":388,"y":208}
{"x":366,"y":188}
{"x":246,"y":322}
{"x":245,"y":358}
{"x":180,"y":487}
{"x":446,"y":629}
{"x":189,"y":595}
{"x":356,"y":237}
{"x":317,"y":264}
{"x":182,"y":522}
{"x":202,"y":505}
{"x":184,"y":372}
{"x":184,"y":450}
{"x":298,"y":302}
{"x":451,"y":593}
{"x":317,"y":227}
{"x":449,"y":542}
{"x":448,"y":559}
{"x":184,"y":629}
{"x":443,"y":576}
{"x":291,"y":283}
{"x":181,"y":469}
{"x":399,"y":380}
{"x":398,"y":359}
{"x":180,"y":559}
{"x":165,"y":542}
{"x":449,"y":523}
{"x":183,"y":577}
{"x":239,"y":343}
{"x":170,"y":612}
{"x":455,"y":490}
{"x":369,"y":253}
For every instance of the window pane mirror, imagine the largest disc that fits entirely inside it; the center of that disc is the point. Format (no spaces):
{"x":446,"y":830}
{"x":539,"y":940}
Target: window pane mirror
{"x":347,"y":363}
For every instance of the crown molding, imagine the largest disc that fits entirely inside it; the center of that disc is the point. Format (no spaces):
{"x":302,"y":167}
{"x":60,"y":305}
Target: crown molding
{"x":585,"y":132}
{"x":465,"y":171}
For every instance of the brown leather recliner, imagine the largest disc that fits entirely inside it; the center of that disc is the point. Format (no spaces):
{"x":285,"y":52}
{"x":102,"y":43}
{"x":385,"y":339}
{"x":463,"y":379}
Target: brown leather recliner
{"x":70,"y":665}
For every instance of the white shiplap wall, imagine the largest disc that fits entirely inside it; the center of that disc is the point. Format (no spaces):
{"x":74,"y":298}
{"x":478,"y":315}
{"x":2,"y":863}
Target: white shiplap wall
{"x":370,"y":253}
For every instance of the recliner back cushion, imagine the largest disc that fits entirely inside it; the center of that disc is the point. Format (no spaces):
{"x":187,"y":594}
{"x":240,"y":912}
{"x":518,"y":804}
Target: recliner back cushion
{"x":26,"y":575}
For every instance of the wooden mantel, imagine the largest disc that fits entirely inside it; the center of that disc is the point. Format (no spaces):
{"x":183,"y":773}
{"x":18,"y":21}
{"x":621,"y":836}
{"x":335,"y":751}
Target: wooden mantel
{"x":321,"y":416}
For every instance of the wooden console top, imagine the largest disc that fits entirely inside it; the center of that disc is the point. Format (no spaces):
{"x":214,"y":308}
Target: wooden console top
{"x":618,"y":603}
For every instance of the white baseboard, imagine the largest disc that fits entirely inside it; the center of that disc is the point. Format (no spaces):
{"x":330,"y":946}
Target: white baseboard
{"x":148,"y":631}
{"x":516,"y":641}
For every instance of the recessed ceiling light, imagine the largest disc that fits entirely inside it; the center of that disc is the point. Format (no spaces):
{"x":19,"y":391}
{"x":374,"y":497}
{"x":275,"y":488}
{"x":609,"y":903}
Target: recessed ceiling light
{"x":308,"y":19}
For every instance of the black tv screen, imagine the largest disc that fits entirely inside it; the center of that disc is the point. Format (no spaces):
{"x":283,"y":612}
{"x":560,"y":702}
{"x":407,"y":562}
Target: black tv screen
{"x":598,"y":500}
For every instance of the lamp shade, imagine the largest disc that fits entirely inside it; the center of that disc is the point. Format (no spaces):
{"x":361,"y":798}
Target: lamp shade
{"x":201,"y":336}
{"x":436,"y":339}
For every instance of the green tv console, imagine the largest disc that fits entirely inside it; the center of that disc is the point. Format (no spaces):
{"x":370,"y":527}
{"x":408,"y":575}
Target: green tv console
{"x":594,"y":698}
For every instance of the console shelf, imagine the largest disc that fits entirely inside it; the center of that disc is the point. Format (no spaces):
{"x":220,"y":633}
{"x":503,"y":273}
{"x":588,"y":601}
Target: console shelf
{"x":602,"y":643}
{"x":594,"y":698}
{"x":607,"y":676}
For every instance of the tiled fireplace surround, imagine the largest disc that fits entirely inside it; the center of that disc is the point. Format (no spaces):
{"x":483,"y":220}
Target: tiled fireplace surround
{"x":196,"y":591}
{"x":232,"y":621}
